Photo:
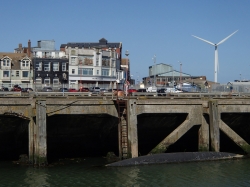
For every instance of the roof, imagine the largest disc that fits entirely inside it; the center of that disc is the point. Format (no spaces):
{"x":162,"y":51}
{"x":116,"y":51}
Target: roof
{"x":15,"y":57}
{"x":102,"y":42}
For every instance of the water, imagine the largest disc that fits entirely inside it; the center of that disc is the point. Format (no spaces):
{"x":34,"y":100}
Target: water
{"x":90,"y":172}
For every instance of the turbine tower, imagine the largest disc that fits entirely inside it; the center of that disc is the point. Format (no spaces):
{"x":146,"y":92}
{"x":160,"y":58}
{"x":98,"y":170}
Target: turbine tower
{"x":216,"y":63}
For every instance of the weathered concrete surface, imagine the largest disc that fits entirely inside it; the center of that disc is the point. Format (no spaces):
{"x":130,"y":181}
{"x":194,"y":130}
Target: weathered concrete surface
{"x":165,"y":158}
{"x":235,"y":137}
{"x":41,"y":134}
{"x":214,"y":119}
{"x":193,"y":118}
{"x":132,"y":129}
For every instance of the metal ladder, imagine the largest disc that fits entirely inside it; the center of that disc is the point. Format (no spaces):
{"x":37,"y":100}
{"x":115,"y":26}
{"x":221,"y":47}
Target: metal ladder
{"x":122,"y":128}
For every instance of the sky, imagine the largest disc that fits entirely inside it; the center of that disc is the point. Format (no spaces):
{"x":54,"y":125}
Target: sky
{"x":146,"y":28}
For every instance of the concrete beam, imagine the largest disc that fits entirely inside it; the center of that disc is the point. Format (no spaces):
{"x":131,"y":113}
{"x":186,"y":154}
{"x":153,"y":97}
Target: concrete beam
{"x":235,"y":137}
{"x":214,"y":120}
{"x":172,"y":137}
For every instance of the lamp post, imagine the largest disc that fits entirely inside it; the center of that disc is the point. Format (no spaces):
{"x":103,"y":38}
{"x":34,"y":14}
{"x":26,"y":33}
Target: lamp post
{"x":126,"y":83}
{"x":154,"y":58}
{"x":180,"y":76}
{"x":240,"y":77}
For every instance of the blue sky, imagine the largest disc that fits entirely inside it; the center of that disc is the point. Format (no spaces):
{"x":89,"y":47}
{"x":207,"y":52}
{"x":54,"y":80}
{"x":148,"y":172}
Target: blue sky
{"x":145,"y":28}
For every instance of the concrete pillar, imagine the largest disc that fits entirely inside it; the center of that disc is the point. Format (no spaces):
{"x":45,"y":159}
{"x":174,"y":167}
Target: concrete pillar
{"x":40,"y":136}
{"x":203,"y":135}
{"x":132,"y":129}
{"x":31,"y":132}
{"x":214,"y":120}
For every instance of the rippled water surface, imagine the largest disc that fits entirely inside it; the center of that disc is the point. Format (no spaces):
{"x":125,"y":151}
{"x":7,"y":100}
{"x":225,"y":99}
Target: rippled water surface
{"x":91,"y":172}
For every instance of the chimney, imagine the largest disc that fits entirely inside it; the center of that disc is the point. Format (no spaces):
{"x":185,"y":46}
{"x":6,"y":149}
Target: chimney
{"x":29,"y":48}
{"x":20,"y":47}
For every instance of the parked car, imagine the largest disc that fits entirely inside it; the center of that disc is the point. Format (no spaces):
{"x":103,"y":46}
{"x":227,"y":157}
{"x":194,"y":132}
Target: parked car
{"x":63,"y":89}
{"x":82,"y":89}
{"x":16,"y":88}
{"x":103,"y":90}
{"x":173,"y":90}
{"x":72,"y":90}
{"x":130,"y":91}
{"x":27,"y":89}
{"x":47,"y":89}
{"x":4,"y":89}
{"x":94,"y":89}
{"x":141,"y":90}
{"x":161,"y":92}
{"x":151,"y":89}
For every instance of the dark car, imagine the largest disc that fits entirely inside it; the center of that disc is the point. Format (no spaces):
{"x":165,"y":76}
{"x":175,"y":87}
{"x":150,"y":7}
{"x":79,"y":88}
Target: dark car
{"x":162,"y":92}
{"x":63,"y":89}
{"x":82,"y":89}
{"x":5,"y":89}
{"x":141,"y":90}
{"x":47,"y":89}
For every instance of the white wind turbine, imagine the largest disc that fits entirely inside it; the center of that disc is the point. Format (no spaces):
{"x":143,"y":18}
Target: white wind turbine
{"x":216,"y":63}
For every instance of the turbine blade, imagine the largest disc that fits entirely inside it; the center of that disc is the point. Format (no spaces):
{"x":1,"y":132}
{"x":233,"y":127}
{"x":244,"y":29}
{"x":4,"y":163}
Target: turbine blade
{"x":226,"y":38}
{"x":204,"y":40}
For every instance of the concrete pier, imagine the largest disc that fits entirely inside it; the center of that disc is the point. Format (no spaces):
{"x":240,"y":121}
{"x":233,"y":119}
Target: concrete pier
{"x":202,"y":114}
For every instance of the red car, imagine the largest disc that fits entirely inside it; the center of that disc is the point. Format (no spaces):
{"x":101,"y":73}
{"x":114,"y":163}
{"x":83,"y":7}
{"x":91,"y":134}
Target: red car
{"x":130,"y":91}
{"x":72,"y":90}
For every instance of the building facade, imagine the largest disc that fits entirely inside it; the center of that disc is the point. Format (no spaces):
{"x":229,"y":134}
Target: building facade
{"x":93,"y":64}
{"x":16,"y":68}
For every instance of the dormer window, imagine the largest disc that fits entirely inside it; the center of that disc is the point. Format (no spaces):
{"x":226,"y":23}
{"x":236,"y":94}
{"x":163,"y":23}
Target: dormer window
{"x":6,"y":62}
{"x":25,"y":63}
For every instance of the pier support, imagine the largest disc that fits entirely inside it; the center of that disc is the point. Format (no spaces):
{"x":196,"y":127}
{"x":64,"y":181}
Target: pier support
{"x":132,"y":129}
{"x":40,"y":136}
{"x":31,"y":136}
{"x":214,"y":120}
{"x":203,"y":135}
{"x":193,"y":118}
{"x":235,"y":137}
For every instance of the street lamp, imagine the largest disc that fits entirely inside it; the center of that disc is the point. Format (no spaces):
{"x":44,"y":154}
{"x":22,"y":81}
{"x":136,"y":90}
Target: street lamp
{"x":180,"y":76}
{"x":126,"y":83}
{"x":154,"y":58}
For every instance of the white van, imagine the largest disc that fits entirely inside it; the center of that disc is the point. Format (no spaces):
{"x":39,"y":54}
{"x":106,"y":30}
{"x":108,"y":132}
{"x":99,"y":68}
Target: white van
{"x":151,"y":89}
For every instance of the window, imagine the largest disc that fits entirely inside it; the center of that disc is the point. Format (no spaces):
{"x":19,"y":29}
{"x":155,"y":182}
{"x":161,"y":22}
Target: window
{"x":97,"y":60}
{"x":85,"y":71}
{"x":6,"y":73}
{"x":113,"y":73}
{"x":73,"y":60}
{"x":55,"y":81}
{"x":25,"y":63}
{"x":46,"y":66}
{"x":113,"y":63}
{"x":105,"y":72}
{"x":6,"y":62}
{"x":38,"y":80}
{"x":73,"y":71}
{"x":55,"y":66}
{"x":38,"y":66}
{"x":97,"y":72}
{"x":17,"y":73}
{"x":47,"y":80}
{"x":64,"y":67}
{"x":25,"y":73}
